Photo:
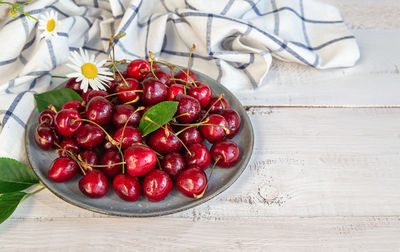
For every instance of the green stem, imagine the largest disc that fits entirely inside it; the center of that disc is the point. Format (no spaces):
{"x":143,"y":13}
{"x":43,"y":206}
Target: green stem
{"x":58,"y":76}
{"x":32,"y":193}
{"x":16,"y":7}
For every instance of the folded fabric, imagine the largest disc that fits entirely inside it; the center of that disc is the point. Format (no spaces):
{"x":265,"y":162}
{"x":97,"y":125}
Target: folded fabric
{"x":235,"y":43}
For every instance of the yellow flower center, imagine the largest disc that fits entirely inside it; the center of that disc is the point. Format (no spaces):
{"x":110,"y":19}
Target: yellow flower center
{"x":51,"y":24}
{"x":89,"y":70}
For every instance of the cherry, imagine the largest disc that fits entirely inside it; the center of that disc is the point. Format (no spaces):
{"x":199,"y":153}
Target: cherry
{"x":74,"y":85}
{"x":68,"y":144}
{"x":46,"y":117}
{"x":63,"y":169}
{"x":191,"y":182}
{"x":107,"y":145}
{"x":139,"y":160}
{"x":57,"y":138}
{"x":131,"y":135}
{"x":162,"y":76}
{"x":127,"y":187}
{"x":44,"y":137}
{"x":202,"y":93}
{"x":99,"y":110}
{"x":85,"y":94}
{"x":112,"y":85}
{"x":226,"y":153}
{"x":74,"y":104}
{"x":118,"y":77}
{"x":183,"y":76}
{"x":95,"y":93}
{"x":90,"y":157}
{"x":157,"y":185}
{"x":122,"y":113}
{"x":173,"y":164}
{"x":125,"y":92}
{"x":154,"y":91}
{"x":89,"y":136}
{"x":216,"y":131}
{"x":138,"y":69}
{"x":233,"y":119}
{"x":94,"y":184}
{"x":66,"y":122}
{"x":188,"y":106}
{"x":190,"y":136}
{"x":174,"y":90}
{"x":164,"y":141}
{"x":111,"y":158}
{"x":215,"y":105}
{"x":200,"y":156}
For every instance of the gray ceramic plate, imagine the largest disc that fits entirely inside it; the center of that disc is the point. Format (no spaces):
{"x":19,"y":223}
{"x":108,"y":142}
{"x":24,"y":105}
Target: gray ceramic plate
{"x":111,"y":204}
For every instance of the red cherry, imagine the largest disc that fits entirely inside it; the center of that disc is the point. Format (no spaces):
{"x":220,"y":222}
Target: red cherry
{"x":191,"y":136}
{"x":189,"y":105}
{"x":66,"y":122}
{"x":107,"y":145}
{"x":89,"y":157}
{"x":111,"y":158}
{"x":63,"y":169}
{"x":74,"y":85}
{"x":191,"y":182}
{"x":213,"y":132}
{"x":174,"y":90}
{"x":44,"y":137}
{"x":94,"y":184}
{"x":139,"y":160}
{"x":157,"y":185}
{"x":95,"y":93}
{"x":154,"y":91}
{"x":227,"y":152}
{"x":131,"y":135}
{"x":233,"y":119}
{"x":217,"y":105}
{"x":125,"y":92}
{"x":99,"y":110}
{"x":202,"y":93}
{"x":122,"y":113}
{"x":200,"y":156}
{"x":138,"y":69}
{"x":183,"y":76}
{"x":74,"y":104}
{"x":89,"y":136}
{"x":85,"y":94}
{"x":164,"y":141}
{"x":46,"y":117}
{"x":173,"y":164}
{"x":127,"y":187}
{"x":68,"y":144}
{"x":162,"y":76}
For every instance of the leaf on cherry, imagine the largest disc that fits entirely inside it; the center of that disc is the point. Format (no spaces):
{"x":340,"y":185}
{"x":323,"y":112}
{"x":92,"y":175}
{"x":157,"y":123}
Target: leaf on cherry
{"x":15,"y":176}
{"x":160,"y":114}
{"x":56,"y":98}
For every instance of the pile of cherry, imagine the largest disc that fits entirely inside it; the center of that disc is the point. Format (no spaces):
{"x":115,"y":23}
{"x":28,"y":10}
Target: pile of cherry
{"x":99,"y":138}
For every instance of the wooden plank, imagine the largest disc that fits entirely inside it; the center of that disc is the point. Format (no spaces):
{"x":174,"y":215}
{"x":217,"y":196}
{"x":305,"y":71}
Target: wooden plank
{"x":170,"y":234}
{"x":306,"y":162}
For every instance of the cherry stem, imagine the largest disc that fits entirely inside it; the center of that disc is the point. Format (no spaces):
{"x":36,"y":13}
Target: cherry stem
{"x":111,"y":54}
{"x":51,"y":107}
{"x":190,"y":56}
{"x":169,"y":64}
{"x":208,"y":180}
{"x":133,"y":101}
{"x":89,"y":121}
{"x":183,"y":114}
{"x":123,"y":92}
{"x":208,"y":111}
{"x":152,"y":59}
{"x":72,"y":156}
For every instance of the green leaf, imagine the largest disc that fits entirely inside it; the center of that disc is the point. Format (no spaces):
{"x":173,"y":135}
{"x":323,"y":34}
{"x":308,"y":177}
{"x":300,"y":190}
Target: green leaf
{"x":160,"y":113}
{"x":8,"y":204}
{"x":15,"y":176}
{"x":55,"y":97}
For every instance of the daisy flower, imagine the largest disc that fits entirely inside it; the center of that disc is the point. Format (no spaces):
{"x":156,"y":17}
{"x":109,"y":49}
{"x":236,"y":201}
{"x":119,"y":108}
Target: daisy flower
{"x":48,"y":24}
{"x":88,"y":71}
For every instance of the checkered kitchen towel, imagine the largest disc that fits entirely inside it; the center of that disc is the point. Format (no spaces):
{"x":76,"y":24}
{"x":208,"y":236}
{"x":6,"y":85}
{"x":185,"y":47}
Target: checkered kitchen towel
{"x":236,"y":41}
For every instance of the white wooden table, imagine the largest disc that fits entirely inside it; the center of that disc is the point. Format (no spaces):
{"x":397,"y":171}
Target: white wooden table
{"x":325,"y":174}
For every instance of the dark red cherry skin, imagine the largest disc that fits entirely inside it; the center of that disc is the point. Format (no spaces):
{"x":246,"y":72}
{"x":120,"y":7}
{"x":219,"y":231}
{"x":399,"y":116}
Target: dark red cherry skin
{"x":191,"y":136}
{"x":69,"y":144}
{"x":200,"y":156}
{"x":211,"y":132}
{"x":218,"y":105}
{"x":173,"y":163}
{"x":187,"y":104}
{"x":74,"y":104}
{"x":94,"y":184}
{"x":131,"y":135}
{"x":85,"y":94}
{"x":110,"y":158}
{"x":95,"y":93}
{"x":67,"y":122}
{"x":164,"y":141}
{"x":63,"y":169}
{"x":228,"y":152}
{"x":118,"y":77}
{"x":74,"y":85}
{"x":154,"y":91}
{"x":122,"y":113}
{"x":57,"y":138}
{"x":191,"y":182}
{"x":99,"y":110}
{"x":112,"y":85}
{"x":139,"y":160}
{"x":162,"y":76}
{"x":138,"y":69}
{"x":127,"y":187}
{"x":202,"y":93}
{"x":174,"y":90}
{"x":157,"y":185}
{"x":46,"y":117}
{"x":107,"y":145}
{"x":44,"y":137}
{"x":89,"y":136}
{"x":90,"y":157}
{"x":233,"y":119}
{"x":125,"y":92}
{"x":183,"y":76}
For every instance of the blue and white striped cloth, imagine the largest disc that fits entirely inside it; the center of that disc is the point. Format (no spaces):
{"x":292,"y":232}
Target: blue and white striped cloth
{"x":236,"y":41}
